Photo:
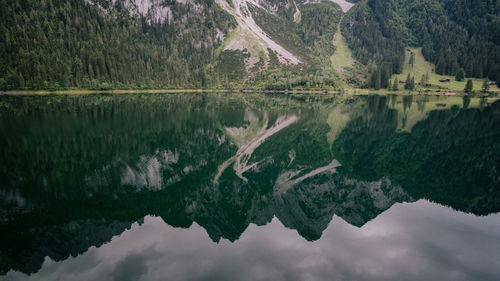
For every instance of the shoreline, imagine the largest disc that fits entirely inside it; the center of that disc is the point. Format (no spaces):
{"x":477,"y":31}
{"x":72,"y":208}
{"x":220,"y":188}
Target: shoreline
{"x":286,"y":92}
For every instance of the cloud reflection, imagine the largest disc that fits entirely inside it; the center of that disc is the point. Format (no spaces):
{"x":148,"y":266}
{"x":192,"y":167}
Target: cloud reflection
{"x":411,"y":241}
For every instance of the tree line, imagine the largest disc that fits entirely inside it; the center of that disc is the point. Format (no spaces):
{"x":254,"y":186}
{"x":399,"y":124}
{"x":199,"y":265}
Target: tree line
{"x":378,"y":31}
{"x":51,"y":44}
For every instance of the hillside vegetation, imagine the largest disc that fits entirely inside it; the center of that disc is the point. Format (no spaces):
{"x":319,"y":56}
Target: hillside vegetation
{"x":59,"y":44}
{"x":264,"y":44}
{"x":452,"y":34}
{"x":311,"y":38}
{"x":421,"y":67}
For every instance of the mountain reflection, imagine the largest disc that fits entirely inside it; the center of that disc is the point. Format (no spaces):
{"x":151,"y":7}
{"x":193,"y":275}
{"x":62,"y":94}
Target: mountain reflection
{"x":77,"y":170}
{"x":404,"y":243}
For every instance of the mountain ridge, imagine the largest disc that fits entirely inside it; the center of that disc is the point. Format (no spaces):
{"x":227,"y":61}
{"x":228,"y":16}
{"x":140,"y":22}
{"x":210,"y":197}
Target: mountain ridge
{"x":266,"y":44}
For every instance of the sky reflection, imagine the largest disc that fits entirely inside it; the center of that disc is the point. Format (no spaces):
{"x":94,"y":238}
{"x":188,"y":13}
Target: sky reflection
{"x":410,"y":241}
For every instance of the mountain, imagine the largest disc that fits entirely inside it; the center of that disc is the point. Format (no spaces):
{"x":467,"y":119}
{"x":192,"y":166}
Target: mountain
{"x":60,"y":43}
{"x":151,"y":44}
{"x":102,"y":44}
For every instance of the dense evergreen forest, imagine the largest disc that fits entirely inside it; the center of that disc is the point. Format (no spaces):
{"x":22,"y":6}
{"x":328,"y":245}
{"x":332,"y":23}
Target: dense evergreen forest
{"x":454,"y":35}
{"x":52,"y":44}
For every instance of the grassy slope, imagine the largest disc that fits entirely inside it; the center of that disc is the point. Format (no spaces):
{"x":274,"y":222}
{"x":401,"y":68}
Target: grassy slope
{"x":350,"y":72}
{"x":421,"y":66}
{"x":413,"y":113}
{"x":342,"y":57}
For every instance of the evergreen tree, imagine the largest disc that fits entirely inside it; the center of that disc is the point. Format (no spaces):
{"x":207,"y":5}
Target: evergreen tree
{"x":411,"y":86}
{"x":412,"y":59}
{"x":422,"y":81}
{"x":378,"y":80}
{"x":486,"y":86}
{"x":407,"y":82}
{"x":395,"y":84}
{"x":3,"y":84}
{"x":59,"y":43}
{"x":466,"y":102}
{"x":21,"y":81}
{"x":469,"y":86}
{"x":460,"y":76}
{"x":441,"y":65}
{"x":384,"y":78}
{"x":453,"y":34}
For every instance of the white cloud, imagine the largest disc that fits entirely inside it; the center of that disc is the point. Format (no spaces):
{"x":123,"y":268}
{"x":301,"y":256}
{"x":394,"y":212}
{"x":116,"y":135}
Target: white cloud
{"x":411,"y":241}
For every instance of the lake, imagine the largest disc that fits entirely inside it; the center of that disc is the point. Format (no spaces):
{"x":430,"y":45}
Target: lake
{"x":230,"y":186}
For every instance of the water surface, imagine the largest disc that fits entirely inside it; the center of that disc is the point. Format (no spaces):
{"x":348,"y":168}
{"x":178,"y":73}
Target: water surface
{"x":249,"y":187}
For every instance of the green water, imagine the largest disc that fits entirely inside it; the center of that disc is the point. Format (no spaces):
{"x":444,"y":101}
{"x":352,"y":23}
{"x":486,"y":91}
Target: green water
{"x":231,"y":186}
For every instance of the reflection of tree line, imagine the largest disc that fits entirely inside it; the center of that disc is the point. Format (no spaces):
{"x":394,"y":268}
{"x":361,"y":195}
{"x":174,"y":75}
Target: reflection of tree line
{"x":65,"y":139}
{"x":427,"y":163}
{"x":97,"y":137}
{"x":452,"y":157}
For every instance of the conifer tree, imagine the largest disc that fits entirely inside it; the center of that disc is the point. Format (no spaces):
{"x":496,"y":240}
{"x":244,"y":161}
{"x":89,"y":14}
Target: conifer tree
{"x":469,"y":86}
{"x":486,"y":86}
{"x":407,"y":82}
{"x":466,"y":102}
{"x":460,"y":76}
{"x":412,"y":84}
{"x":378,"y":80}
{"x":422,"y":81}
{"x":441,"y":65}
{"x":412,"y":59}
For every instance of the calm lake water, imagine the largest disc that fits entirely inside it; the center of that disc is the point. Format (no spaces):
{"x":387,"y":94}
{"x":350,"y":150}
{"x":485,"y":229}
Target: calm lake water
{"x":249,"y":187}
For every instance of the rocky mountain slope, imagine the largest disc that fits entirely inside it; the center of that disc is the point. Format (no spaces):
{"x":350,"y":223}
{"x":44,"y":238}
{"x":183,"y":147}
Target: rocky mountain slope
{"x":101,"y":44}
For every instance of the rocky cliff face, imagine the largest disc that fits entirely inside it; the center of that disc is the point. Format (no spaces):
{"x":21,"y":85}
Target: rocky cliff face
{"x":158,"y":11}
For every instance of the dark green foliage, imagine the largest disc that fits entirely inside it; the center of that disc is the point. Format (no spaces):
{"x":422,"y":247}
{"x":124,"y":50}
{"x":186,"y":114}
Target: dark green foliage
{"x":69,"y":157}
{"x":311,"y":39}
{"x":379,"y":78}
{"x":424,"y":80}
{"x":231,"y":66}
{"x":56,"y":44}
{"x":460,"y":76}
{"x":486,"y":86}
{"x":317,"y":21}
{"x":372,"y":42}
{"x":378,"y":30}
{"x":469,"y":86}
{"x":380,"y":46}
{"x":410,"y":82}
{"x":395,"y":84}
{"x":52,"y":44}
{"x":411,"y":86}
{"x":412,"y":59}
{"x":440,"y":159}
{"x":466,"y":102}
{"x":407,"y":81}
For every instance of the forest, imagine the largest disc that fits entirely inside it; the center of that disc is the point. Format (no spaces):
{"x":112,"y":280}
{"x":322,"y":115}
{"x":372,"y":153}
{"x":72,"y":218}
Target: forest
{"x":53,"y":44}
{"x":454,"y":35}
{"x":65,"y":44}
